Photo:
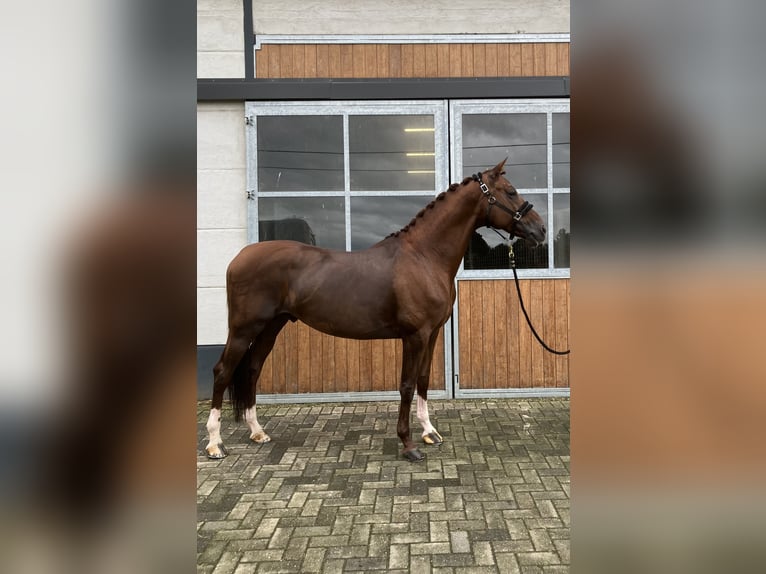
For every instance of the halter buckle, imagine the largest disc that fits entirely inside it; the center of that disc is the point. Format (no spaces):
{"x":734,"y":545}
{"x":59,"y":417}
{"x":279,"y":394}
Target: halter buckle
{"x":517,"y":216}
{"x":484,"y":188}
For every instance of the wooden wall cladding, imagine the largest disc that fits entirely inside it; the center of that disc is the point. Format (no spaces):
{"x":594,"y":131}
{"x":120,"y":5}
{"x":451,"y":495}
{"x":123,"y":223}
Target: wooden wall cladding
{"x":307,"y":361}
{"x":497,"y":349}
{"x":411,"y":60}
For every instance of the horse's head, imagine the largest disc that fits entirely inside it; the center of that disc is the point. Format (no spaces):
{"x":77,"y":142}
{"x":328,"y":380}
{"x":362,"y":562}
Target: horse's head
{"x":512,"y":213}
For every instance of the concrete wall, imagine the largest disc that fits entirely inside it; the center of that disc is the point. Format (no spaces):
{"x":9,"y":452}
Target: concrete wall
{"x":221,"y":210}
{"x":408,"y":17}
{"x":220,"y":39}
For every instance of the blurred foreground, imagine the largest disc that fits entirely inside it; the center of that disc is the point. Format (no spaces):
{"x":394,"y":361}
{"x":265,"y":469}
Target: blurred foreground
{"x":97,"y":356}
{"x":669,"y":287}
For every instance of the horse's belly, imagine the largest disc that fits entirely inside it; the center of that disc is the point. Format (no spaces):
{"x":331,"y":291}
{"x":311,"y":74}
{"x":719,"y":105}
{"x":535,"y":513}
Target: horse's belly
{"x":356,"y":332}
{"x":348,"y":322}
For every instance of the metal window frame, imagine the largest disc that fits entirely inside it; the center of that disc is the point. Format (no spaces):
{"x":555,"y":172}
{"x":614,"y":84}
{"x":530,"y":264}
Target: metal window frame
{"x":261,"y":39}
{"x":346,"y":109}
{"x":457,"y":109}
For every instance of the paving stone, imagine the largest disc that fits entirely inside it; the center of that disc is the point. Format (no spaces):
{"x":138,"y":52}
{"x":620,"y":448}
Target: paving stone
{"x":328,"y":541}
{"x":482,"y":552}
{"x":366,"y":564}
{"x":227,"y":563}
{"x":452,"y":560}
{"x":506,"y":563}
{"x":330,"y":493}
{"x":233,"y":534}
{"x":562,"y":547}
{"x":313,"y":560}
{"x":399,"y":556}
{"x":262,"y":555}
{"x":378,"y":545}
{"x":420,"y":564}
{"x":538,"y":558}
{"x":241,"y":546}
{"x":430,"y":548}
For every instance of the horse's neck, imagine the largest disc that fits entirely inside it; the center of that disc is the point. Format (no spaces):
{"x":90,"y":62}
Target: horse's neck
{"x":445,"y":232}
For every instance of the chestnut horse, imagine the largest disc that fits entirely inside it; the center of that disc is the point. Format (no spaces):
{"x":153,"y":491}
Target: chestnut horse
{"x":400,"y":288}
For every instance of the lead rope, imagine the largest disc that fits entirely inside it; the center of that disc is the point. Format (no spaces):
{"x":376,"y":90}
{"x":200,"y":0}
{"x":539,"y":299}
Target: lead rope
{"x":512,"y":257}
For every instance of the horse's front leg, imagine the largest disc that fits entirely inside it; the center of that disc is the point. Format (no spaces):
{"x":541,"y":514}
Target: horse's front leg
{"x":414,"y":350}
{"x":430,"y":435}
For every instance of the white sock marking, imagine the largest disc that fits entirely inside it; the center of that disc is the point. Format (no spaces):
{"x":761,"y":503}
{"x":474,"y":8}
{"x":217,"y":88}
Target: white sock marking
{"x":252,"y":421}
{"x":423,"y":416}
{"x":214,"y":428}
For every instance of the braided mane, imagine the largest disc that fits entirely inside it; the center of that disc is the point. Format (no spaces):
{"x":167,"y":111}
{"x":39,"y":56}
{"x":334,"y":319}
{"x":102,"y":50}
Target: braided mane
{"x":452,"y":188}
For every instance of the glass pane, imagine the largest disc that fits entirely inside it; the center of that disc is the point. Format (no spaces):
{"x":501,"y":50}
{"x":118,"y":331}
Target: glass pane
{"x":314,"y":220}
{"x":561,"y":227}
{"x":300,"y":153}
{"x":392,"y":153}
{"x":488,"y":138}
{"x":373,"y":218}
{"x":488,"y":251}
{"x":560,"y":150}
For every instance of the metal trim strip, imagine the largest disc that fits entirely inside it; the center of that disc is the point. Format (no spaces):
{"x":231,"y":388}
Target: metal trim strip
{"x":261,"y":39}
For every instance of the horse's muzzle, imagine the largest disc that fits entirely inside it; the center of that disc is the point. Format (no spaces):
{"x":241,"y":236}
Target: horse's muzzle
{"x":533,"y":233}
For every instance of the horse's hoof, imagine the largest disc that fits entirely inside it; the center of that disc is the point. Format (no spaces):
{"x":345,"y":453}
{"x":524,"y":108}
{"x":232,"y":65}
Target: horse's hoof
{"x":260,"y":438}
{"x":413,"y":455}
{"x":217,"y":452}
{"x":433,"y":438}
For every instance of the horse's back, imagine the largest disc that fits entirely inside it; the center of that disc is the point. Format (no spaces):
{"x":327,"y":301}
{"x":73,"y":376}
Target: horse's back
{"x":284,"y":256}
{"x":256,"y":258}
{"x":345,"y":293}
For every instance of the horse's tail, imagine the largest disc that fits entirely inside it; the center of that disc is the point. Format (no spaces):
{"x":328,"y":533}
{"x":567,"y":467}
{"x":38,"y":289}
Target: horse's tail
{"x":241,"y":391}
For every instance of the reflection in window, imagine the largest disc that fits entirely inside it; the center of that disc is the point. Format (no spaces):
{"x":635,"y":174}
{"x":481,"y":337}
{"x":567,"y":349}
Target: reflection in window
{"x":561,"y":230}
{"x":300,"y":153}
{"x":488,"y":138}
{"x":392,"y":153}
{"x":373,"y":218}
{"x":314,"y":220}
{"x":560,"y":150}
{"x":488,"y":251}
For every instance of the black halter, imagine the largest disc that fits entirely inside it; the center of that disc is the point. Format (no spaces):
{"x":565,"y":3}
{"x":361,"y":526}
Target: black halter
{"x":517,"y":215}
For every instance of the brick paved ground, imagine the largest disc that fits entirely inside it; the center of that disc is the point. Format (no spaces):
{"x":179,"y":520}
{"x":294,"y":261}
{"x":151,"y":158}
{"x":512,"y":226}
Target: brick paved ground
{"x":330,"y":493}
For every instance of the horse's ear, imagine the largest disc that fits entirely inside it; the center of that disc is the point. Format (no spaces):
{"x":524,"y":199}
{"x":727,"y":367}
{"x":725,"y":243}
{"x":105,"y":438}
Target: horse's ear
{"x":497,"y":170}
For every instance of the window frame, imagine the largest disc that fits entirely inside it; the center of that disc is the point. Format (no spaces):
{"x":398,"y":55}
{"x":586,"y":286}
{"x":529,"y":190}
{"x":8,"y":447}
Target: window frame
{"x":345,"y":109}
{"x":459,"y":108}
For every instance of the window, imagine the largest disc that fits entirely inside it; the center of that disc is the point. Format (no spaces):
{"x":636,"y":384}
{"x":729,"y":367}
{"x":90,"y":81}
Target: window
{"x":534,"y":136}
{"x":342,"y":175}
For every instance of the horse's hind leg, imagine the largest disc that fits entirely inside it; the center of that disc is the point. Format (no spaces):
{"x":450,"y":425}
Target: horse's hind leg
{"x":430,"y":435}
{"x":262,"y":346}
{"x":235,"y":349}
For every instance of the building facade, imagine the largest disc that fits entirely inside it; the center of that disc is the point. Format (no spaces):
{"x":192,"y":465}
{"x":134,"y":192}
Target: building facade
{"x":333,"y":123}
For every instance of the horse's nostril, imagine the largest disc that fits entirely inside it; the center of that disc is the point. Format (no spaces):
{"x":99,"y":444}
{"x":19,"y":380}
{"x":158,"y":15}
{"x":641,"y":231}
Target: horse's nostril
{"x":542,"y":227}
